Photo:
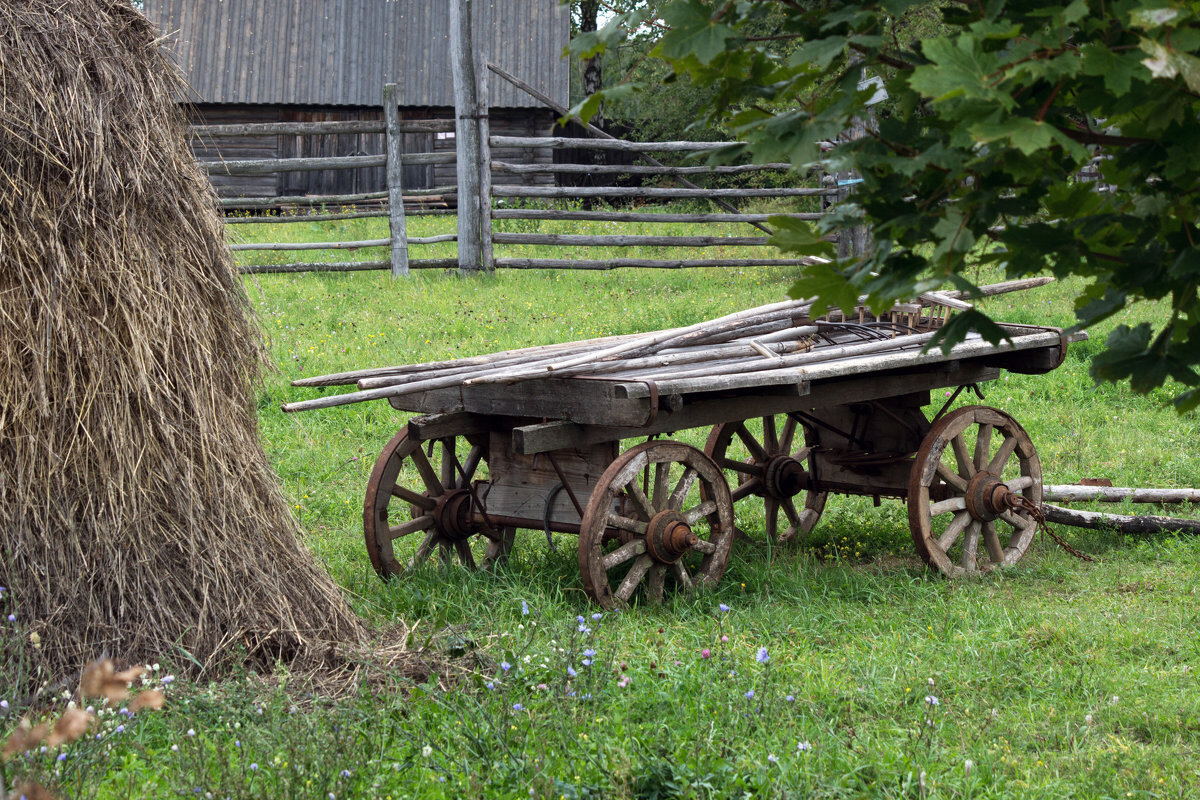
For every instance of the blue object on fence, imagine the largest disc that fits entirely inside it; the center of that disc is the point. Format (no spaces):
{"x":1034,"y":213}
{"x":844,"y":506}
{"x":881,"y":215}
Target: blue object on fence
{"x":850,"y":181}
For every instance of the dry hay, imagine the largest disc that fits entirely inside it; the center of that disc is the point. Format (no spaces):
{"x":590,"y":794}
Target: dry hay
{"x":138,"y":515}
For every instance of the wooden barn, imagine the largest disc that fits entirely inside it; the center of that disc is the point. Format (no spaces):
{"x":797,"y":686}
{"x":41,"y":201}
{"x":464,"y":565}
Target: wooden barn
{"x":314,"y":60}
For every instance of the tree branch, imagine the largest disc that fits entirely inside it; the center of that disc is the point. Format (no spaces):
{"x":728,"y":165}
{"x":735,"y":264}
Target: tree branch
{"x":1095,"y":137}
{"x":883,"y":58}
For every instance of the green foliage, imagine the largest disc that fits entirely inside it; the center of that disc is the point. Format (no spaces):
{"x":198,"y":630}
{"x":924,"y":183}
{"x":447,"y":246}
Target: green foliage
{"x":991,"y":114}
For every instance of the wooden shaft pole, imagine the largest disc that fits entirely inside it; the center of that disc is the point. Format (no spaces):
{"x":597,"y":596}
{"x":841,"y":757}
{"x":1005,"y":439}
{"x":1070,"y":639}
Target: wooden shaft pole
{"x":1121,"y":522}
{"x":1115,"y":494}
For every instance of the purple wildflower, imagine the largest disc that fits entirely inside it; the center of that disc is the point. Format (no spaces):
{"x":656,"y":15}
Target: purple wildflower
{"x":762,"y":657}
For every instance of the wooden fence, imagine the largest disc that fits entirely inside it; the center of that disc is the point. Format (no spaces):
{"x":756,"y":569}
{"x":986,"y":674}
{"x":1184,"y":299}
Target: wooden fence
{"x":478,"y":200}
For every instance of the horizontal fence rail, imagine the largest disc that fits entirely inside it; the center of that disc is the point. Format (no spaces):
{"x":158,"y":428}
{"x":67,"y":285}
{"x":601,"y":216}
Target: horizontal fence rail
{"x":490,"y":204}
{"x":267,"y":166}
{"x":319,"y":128}
{"x":630,"y":169}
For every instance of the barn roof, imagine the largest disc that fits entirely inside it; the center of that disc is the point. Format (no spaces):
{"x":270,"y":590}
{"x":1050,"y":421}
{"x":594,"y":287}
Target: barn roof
{"x":341,"y":52}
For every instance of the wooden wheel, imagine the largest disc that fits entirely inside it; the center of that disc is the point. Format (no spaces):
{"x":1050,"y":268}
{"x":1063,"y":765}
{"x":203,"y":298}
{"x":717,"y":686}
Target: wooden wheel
{"x":975,"y":470}
{"x":660,"y":515}
{"x":769,"y":457}
{"x":423,"y":490}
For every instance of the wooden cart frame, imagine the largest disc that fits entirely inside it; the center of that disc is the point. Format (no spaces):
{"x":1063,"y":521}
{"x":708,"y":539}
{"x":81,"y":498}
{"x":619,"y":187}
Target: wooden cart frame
{"x":661,"y":516}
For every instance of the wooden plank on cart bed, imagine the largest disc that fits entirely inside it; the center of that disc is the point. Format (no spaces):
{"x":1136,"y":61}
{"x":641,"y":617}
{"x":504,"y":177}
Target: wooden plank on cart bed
{"x":456,"y":423}
{"x":703,"y":410}
{"x":586,"y":402}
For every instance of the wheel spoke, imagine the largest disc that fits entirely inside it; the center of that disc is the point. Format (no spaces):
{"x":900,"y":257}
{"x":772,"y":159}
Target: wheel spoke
{"x":627,"y":524}
{"x":983,"y":445}
{"x":789,"y":434}
{"x":970,"y":545}
{"x":956,"y":526}
{"x":421,"y":523}
{"x":756,"y":449}
{"x":654,"y":584}
{"x":449,"y":462}
{"x":634,"y":577}
{"x":740,"y":466}
{"x":411,"y":497}
{"x":951,"y":477}
{"x":996,"y":465}
{"x":680,"y":492}
{"x":464,"y":554}
{"x":1018,"y":484}
{"x":992,"y":542}
{"x":746,"y":489}
{"x":445,"y":553}
{"x":681,"y":575}
{"x":623,"y":553}
{"x":965,"y":468}
{"x":770,"y":437}
{"x":662,"y":476}
{"x":640,"y":501}
{"x":470,"y":465}
{"x":771,"y":509}
{"x":789,"y":511}
{"x":1017,"y":521}
{"x":802,"y":454}
{"x":704,"y":546}
{"x":432,"y":484}
{"x":423,"y":551}
{"x":808,"y":519}
{"x":693,"y":515}
{"x":946,"y":506}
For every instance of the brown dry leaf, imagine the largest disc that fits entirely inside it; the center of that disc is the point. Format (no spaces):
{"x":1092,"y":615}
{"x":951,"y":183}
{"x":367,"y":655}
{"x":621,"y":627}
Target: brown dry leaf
{"x":17,"y":740}
{"x":129,"y":675}
{"x":70,"y":726}
{"x":25,"y":737}
{"x":100,"y":679}
{"x":95,"y":676}
{"x":33,"y":791}
{"x":152,"y":700}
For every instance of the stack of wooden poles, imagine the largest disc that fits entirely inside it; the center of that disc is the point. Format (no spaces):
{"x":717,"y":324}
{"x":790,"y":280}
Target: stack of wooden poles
{"x":758,"y":340}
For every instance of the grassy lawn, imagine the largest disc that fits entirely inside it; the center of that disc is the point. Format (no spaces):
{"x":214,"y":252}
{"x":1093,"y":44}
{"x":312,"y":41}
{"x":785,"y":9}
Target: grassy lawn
{"x":838,"y":667}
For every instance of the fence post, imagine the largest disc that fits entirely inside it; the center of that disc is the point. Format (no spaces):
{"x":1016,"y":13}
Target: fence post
{"x":395,"y":181}
{"x":466,"y":138}
{"x":485,"y":169}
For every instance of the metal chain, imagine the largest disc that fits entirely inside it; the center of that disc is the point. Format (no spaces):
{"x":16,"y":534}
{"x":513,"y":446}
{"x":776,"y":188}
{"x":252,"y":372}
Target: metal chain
{"x":1017,"y":502}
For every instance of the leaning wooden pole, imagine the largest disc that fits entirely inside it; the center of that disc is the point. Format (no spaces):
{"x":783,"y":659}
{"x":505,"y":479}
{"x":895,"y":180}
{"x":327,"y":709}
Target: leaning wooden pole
{"x":466,"y":109}
{"x":603,"y":134}
{"x":395,"y":181}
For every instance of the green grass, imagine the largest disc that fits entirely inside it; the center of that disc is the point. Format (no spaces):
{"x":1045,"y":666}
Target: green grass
{"x":1057,"y":678}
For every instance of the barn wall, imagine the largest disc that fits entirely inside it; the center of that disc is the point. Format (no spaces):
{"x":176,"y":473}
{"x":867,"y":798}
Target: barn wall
{"x":231,"y":148}
{"x":505,"y":122}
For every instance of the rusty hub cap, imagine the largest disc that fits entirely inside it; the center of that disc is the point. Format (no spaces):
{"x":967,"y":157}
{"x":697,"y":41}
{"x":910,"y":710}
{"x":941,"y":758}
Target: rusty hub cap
{"x":785,"y":477}
{"x":986,"y":496}
{"x":668,"y":537}
{"x":452,"y":515}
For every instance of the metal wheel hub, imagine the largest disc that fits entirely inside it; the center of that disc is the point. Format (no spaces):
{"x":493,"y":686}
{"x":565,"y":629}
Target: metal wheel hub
{"x":669,"y":537}
{"x":986,"y":496}
{"x":785,"y":477}
{"x":452,"y":515}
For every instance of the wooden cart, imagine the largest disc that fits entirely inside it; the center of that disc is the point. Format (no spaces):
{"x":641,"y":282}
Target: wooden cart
{"x":544,"y":455}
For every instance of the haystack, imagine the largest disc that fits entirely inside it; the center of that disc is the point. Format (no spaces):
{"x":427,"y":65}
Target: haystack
{"x":138,"y":513}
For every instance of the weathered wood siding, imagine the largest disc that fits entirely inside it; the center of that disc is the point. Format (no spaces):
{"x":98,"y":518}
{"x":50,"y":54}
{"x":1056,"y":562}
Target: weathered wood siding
{"x":506,"y":122}
{"x":342,"y":52}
